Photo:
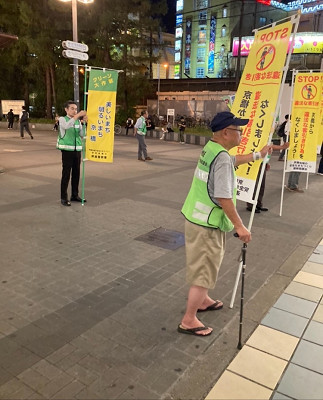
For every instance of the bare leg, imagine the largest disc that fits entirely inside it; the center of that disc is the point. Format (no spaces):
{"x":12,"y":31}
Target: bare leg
{"x":197,"y":295}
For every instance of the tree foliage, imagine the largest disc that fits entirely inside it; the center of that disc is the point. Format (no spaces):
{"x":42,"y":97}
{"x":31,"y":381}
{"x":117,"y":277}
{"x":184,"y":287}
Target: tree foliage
{"x":118,"y":33}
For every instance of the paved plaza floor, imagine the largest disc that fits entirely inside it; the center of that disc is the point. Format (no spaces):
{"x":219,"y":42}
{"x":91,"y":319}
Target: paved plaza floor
{"x":91,"y":297}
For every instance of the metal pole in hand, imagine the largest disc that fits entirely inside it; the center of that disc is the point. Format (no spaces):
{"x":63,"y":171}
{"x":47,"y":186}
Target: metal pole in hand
{"x":243,"y":256}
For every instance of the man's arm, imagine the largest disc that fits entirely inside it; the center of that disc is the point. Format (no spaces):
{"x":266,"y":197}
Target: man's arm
{"x":245,"y":158}
{"x":231,"y":212}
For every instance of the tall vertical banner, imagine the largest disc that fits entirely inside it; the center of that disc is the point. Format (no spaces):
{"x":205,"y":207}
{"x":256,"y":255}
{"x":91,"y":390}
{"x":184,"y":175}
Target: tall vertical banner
{"x":305,"y":122}
{"x":101,"y":114}
{"x":256,"y":99}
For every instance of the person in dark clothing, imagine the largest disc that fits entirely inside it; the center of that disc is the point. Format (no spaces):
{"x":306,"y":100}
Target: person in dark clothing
{"x":129,"y":124}
{"x":10,"y":117}
{"x":282,"y":130}
{"x":24,"y":123}
{"x":69,"y":141}
{"x":320,"y":170}
{"x":182,"y":126}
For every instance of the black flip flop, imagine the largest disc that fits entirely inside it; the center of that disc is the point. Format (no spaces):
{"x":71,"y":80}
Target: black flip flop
{"x":192,"y":331}
{"x":213,"y":307}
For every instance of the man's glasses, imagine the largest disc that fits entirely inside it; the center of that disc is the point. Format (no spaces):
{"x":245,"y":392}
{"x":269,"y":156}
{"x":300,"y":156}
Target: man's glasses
{"x":235,"y":129}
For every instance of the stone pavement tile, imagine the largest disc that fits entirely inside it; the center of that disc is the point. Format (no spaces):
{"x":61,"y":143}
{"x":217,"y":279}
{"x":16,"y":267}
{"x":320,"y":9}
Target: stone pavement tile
{"x":5,"y":376}
{"x":55,"y":385}
{"x":309,"y":355}
{"x":285,"y":322}
{"x":46,"y":369}
{"x":231,"y":386}
{"x":295,"y":305}
{"x":301,"y":383}
{"x":82,"y":374}
{"x":318,"y":316}
{"x":279,"y":396}
{"x":317,"y":255}
{"x":60,"y":353}
{"x":137,"y":391}
{"x":15,"y":389}
{"x":18,"y":361}
{"x":313,"y":268}
{"x":33,"y":379}
{"x":69,"y":391}
{"x":71,"y":359}
{"x":314,"y":333}
{"x":274,"y":342}
{"x":309,"y":279}
{"x":258,"y":366}
{"x":304,"y":291}
{"x":107,"y":390}
{"x":86,"y":394}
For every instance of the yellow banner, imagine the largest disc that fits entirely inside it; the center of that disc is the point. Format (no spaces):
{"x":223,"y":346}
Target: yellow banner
{"x":101,"y":115}
{"x":257,"y":97}
{"x":305,"y":122}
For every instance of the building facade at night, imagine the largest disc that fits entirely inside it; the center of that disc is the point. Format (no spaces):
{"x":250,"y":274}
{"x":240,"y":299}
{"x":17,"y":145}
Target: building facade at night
{"x":207,"y":34}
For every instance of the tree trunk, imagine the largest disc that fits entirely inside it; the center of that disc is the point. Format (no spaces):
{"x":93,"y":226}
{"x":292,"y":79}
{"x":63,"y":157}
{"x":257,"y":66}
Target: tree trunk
{"x":48,"y":94}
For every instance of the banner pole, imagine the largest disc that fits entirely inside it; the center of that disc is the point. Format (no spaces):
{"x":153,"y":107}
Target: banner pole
{"x":295,"y":20}
{"x":84,"y":135}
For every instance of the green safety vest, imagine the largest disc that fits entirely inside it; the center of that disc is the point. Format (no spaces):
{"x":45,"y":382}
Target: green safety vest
{"x":198,"y":206}
{"x":72,"y":140}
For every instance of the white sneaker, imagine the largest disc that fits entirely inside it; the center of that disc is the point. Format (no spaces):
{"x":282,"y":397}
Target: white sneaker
{"x":319,"y":173}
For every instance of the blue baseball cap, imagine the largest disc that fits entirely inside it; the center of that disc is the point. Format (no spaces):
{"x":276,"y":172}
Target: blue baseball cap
{"x":224,"y":119}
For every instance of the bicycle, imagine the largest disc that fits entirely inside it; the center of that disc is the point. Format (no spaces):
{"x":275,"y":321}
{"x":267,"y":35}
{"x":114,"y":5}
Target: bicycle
{"x":117,"y":129}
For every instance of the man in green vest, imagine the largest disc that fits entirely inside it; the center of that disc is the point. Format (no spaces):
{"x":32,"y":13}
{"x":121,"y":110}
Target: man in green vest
{"x":69,"y":141}
{"x":210,"y":212}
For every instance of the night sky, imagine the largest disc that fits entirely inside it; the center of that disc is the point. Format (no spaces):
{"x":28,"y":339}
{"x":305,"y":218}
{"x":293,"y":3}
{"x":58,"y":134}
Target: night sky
{"x":169,"y":19}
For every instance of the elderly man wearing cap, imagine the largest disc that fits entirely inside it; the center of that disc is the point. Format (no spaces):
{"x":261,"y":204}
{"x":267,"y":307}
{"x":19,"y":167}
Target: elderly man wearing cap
{"x":210,"y":212}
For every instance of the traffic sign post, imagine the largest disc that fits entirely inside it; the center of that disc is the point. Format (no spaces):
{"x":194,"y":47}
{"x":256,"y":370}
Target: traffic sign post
{"x":76,"y":51}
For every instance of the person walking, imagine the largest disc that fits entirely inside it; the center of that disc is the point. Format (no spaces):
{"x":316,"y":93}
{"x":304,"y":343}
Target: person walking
{"x":69,"y":141}
{"x":210,"y":212}
{"x":182,"y":126}
{"x":140,"y":131}
{"x":10,"y":118}
{"x":24,"y":122}
{"x":282,"y":133}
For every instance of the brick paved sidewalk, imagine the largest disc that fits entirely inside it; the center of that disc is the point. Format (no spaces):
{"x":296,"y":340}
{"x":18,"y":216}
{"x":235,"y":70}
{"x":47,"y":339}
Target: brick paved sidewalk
{"x":88,"y":311}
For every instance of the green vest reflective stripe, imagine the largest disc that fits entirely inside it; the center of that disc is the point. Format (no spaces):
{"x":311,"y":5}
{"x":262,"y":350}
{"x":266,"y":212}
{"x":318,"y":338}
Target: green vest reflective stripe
{"x":72,"y":140}
{"x":143,"y":129}
{"x":198,"y":206}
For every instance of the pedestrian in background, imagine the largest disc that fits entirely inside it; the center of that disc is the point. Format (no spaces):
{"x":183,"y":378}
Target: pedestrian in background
{"x":182,"y":126}
{"x":10,"y":118}
{"x":129,"y":124}
{"x":69,"y":141}
{"x":140,"y":131}
{"x":24,"y":122}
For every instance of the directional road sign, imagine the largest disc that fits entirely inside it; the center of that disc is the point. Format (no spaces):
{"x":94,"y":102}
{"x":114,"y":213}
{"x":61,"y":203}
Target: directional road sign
{"x":68,"y":44}
{"x":75,"y":54}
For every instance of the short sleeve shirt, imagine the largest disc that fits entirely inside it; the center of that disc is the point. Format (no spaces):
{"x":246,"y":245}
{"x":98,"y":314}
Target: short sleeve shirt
{"x":222,"y":182}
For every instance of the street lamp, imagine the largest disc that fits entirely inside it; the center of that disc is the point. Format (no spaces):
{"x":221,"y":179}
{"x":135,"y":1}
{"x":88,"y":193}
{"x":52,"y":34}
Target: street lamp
{"x":165,"y":65}
{"x":75,"y":39}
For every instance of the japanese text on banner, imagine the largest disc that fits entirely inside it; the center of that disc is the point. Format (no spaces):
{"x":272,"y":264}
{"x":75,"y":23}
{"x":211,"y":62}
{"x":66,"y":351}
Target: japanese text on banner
{"x":101,"y":115}
{"x":305,"y":122}
{"x":256,"y":99}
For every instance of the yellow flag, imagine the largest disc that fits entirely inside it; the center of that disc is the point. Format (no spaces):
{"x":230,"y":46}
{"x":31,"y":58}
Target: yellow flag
{"x":256,"y":99}
{"x":101,"y":114}
{"x":305,"y":122}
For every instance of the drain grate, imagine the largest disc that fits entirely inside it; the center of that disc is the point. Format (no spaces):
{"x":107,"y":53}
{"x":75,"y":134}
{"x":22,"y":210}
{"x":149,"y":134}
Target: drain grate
{"x":164,"y":238}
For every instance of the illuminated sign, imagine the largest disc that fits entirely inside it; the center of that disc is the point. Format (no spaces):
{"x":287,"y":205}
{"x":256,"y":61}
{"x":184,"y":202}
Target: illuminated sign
{"x":311,"y":43}
{"x":211,"y":45}
{"x":267,"y":2}
{"x":299,"y":4}
{"x":179,"y":19}
{"x":178,"y":33}
{"x":179,"y":5}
